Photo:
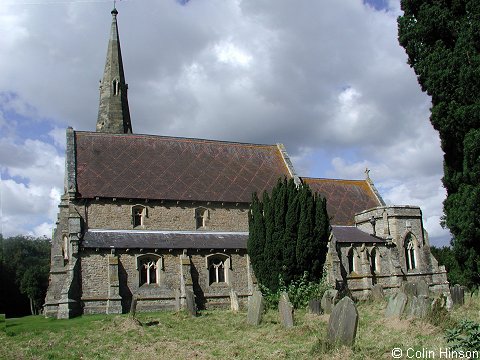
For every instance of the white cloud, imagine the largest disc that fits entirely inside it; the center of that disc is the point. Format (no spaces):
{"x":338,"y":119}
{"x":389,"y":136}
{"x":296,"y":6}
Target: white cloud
{"x":321,"y":77}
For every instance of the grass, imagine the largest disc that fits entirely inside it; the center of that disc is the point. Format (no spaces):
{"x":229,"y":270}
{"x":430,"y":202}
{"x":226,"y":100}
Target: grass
{"x":217,"y":334}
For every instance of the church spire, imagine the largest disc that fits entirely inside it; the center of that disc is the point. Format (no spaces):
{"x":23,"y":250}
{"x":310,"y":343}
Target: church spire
{"x":113,"y":112}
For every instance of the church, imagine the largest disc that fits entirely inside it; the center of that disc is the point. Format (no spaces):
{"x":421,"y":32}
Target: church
{"x":158,"y":217}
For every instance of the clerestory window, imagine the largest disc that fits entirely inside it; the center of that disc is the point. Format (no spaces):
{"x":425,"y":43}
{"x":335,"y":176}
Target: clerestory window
{"x":201,"y":216}
{"x":139,"y":213}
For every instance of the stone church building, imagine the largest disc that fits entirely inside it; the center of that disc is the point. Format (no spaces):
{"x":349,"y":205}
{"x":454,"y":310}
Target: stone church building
{"x":157,"y":216}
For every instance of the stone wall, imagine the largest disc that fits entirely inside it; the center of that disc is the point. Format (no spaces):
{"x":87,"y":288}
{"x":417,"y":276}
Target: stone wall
{"x":117,"y":215}
{"x":154,"y":297}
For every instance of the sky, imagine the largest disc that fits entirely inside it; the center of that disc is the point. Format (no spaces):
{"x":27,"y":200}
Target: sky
{"x":326,"y":78}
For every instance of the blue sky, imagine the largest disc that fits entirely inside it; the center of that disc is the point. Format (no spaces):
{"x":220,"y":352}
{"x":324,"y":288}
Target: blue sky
{"x":328,"y":79}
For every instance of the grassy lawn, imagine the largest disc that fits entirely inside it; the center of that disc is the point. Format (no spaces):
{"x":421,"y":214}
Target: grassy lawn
{"x":216,"y":335}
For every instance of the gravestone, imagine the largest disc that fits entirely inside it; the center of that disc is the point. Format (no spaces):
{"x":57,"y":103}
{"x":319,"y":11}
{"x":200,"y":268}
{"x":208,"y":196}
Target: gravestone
{"x":190,"y":300}
{"x":396,"y":305}
{"x":422,"y":288}
{"x":409,"y":288}
{"x":377,"y":292}
{"x":314,"y":307}
{"x":255,"y":308}
{"x":343,"y":323}
{"x":234,"y":306}
{"x":285,"y":310}
{"x":458,"y":295}
{"x":177,"y":300}
{"x":329,"y":299}
{"x":133,"y":306}
{"x":417,"y":306}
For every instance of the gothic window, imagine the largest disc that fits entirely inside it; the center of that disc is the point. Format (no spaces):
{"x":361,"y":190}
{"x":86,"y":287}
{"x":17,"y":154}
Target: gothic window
{"x":410,"y":253}
{"x":375,"y":261}
{"x":351,"y":261}
{"x":217,"y":268}
{"x":201,"y":216}
{"x":139,"y":213}
{"x":149,"y":267}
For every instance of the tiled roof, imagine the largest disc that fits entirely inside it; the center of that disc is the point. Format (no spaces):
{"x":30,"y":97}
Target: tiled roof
{"x":351,"y":234}
{"x":168,"y":168}
{"x":164,"y":240}
{"x":345,"y":198}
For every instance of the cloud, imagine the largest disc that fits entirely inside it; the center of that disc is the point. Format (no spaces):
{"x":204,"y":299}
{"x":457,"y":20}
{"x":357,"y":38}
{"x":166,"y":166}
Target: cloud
{"x":328,"y":79}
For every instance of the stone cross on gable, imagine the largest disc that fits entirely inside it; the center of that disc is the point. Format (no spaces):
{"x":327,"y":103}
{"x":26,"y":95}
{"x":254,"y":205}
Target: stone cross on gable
{"x":367,"y":173}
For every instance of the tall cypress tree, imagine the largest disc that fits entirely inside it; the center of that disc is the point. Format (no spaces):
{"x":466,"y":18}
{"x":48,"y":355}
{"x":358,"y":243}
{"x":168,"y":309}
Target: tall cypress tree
{"x":442,"y":40}
{"x":296,"y":227}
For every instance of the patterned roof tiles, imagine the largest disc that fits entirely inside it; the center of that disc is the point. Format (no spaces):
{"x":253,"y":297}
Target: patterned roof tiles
{"x":158,"y":167}
{"x":345,"y":198}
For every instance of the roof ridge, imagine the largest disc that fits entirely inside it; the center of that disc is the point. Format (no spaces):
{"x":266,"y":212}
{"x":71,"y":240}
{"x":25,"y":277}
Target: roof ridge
{"x":316,"y":178}
{"x":173,"y":137}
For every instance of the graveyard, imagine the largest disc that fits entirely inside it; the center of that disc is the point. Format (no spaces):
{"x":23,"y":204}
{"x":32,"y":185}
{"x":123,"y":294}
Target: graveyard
{"x":231,"y":334}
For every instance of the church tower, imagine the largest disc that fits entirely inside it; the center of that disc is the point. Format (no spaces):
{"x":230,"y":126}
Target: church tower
{"x":113,"y":112}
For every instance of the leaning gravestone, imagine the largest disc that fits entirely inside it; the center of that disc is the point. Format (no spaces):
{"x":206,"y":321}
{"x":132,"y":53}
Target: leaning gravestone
{"x":458,"y":294}
{"x":190,"y":300}
{"x":423,"y":288}
{"x":377,"y":292}
{"x":343,"y":323}
{"x":409,"y":288}
{"x":314,"y":307}
{"x":255,"y":308}
{"x":285,"y":310}
{"x":329,"y":299}
{"x":396,"y":305}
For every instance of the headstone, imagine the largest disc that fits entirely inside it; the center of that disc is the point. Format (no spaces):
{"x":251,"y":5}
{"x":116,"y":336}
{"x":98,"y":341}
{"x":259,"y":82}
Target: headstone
{"x":422,"y":288}
{"x":377,"y":292}
{"x":329,"y":299}
{"x":255,"y":308}
{"x":314,"y":307}
{"x":234,"y":301}
{"x":343,"y":323}
{"x":396,"y":305}
{"x":409,"y":288}
{"x":177,"y":300}
{"x":133,"y":306}
{"x":417,"y":306}
{"x":190,"y":300}
{"x":458,"y":295}
{"x":285,"y":310}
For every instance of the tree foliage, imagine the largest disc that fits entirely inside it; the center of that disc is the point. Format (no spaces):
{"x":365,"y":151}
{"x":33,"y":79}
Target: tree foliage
{"x":288,"y":234}
{"x":442,"y":41}
{"x":445,"y":256}
{"x":25,"y":268}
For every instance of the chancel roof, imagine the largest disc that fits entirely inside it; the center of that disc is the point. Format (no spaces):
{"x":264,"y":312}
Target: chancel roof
{"x":168,"y":168}
{"x":135,"y":239}
{"x":345,"y":198}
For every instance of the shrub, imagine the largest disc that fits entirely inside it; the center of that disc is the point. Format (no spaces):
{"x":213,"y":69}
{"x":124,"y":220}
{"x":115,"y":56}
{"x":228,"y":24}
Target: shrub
{"x":464,"y":337}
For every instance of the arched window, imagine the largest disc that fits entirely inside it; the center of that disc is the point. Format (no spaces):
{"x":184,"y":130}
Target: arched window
{"x":201,"y":216}
{"x":351,"y":260}
{"x":375,"y":261}
{"x":139,"y":212}
{"x":149,"y":267}
{"x":410,"y":258}
{"x":218,"y":265}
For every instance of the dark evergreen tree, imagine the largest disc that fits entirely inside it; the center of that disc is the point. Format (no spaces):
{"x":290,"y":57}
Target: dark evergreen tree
{"x":295,"y":227}
{"x":289,"y":265}
{"x":442,"y":41}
